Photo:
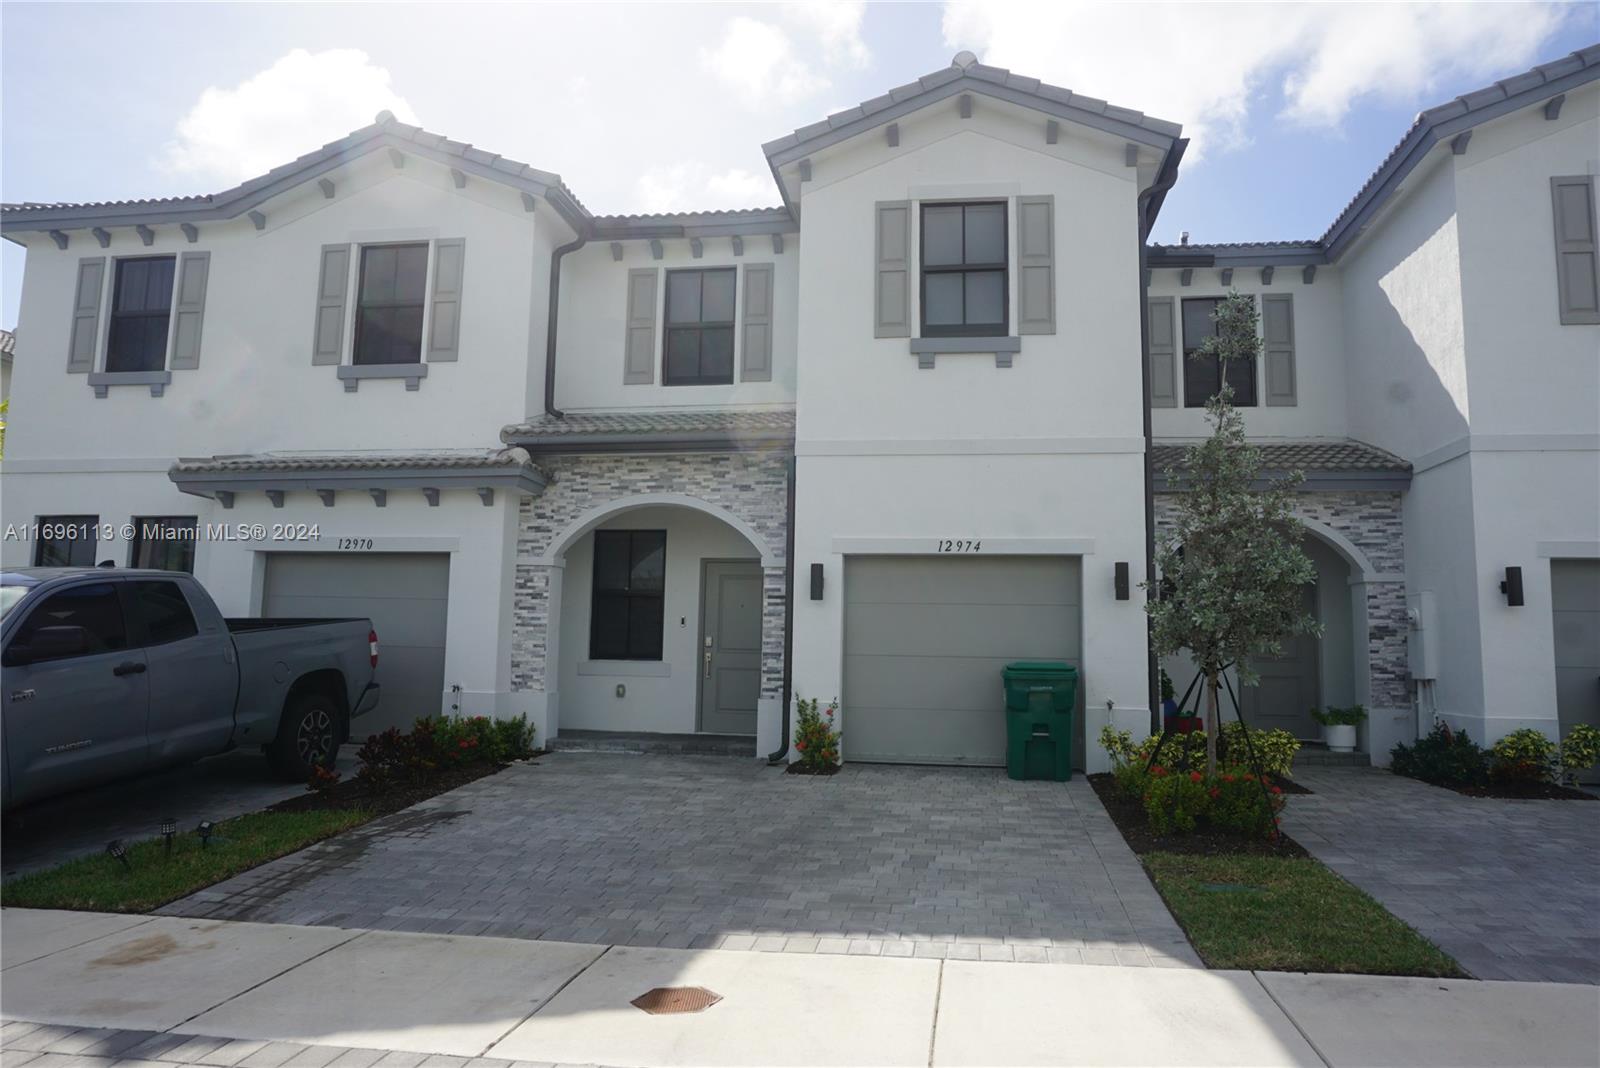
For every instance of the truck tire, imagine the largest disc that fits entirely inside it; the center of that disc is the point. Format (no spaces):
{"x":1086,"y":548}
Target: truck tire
{"x":308,"y":736}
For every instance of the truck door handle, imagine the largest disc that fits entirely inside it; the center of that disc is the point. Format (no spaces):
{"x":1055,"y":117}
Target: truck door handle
{"x":129,"y":667}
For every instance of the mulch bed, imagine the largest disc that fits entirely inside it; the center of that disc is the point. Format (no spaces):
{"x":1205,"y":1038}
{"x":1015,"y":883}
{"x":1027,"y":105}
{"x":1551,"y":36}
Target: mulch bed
{"x":1523,"y":791}
{"x":1130,"y":819}
{"x":801,"y":769}
{"x":353,"y":793}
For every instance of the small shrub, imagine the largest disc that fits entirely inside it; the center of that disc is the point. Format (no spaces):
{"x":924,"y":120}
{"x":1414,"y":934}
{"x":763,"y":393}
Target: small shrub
{"x":1353,"y":716}
{"x":1174,"y":801}
{"x":1524,"y":755}
{"x":322,"y":780}
{"x":1239,"y":804}
{"x":815,"y":737}
{"x":1118,"y":745}
{"x":1275,"y":749}
{"x":1580,"y":750}
{"x":398,"y":758}
{"x":1443,"y":758}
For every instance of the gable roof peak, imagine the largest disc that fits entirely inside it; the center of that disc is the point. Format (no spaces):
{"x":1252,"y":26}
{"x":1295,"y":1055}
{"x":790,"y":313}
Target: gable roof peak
{"x":965,"y":60}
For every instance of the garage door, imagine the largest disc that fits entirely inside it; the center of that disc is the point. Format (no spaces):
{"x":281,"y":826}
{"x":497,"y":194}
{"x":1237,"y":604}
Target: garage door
{"x":1575,"y":598}
{"x":404,"y":594}
{"x":925,"y":639}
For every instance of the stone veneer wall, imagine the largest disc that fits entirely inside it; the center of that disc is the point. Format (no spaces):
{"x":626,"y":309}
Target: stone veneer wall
{"x":752,"y":486}
{"x":1372,"y":522}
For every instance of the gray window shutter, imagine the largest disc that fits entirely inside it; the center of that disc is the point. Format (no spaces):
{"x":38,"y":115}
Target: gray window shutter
{"x":1277,"y":323}
{"x":194,"y":269}
{"x":755,"y":359}
{"x":1577,"y":271}
{"x":1036,"y":270}
{"x":639,"y":353}
{"x":444,"y":317}
{"x":86,"y":315}
{"x":1163,"y":354}
{"x":892,"y":299}
{"x":333,"y":285}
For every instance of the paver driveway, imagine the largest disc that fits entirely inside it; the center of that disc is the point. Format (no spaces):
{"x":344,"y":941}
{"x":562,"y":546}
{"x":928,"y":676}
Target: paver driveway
{"x":721,"y":852}
{"x":1507,"y":888}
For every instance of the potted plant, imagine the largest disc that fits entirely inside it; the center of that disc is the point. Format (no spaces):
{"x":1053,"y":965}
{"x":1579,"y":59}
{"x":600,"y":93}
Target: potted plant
{"x":1339,"y":726}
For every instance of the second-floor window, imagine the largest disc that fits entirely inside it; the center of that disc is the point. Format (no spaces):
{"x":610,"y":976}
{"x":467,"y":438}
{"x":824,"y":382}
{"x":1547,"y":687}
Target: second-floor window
{"x":393,"y":292}
{"x":964,"y":281}
{"x":1202,"y":377}
{"x":141,"y":309}
{"x":699,"y":350}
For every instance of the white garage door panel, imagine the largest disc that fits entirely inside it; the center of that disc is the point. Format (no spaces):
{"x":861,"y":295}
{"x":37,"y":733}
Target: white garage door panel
{"x":404,"y":594}
{"x":926,"y":639}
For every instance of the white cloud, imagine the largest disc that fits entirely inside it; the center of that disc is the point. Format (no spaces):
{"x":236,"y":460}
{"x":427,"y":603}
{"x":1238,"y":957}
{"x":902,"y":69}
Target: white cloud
{"x":837,"y":26}
{"x":1206,"y":65}
{"x":301,"y":102}
{"x":757,"y":61}
{"x":695,"y":187}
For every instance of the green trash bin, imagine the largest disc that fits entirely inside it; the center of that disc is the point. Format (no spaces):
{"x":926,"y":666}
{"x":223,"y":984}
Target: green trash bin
{"x":1039,"y":700}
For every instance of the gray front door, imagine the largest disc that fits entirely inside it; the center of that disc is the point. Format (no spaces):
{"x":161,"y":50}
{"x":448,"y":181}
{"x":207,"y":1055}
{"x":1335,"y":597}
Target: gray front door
{"x":730,"y":647}
{"x":925,"y":639}
{"x":406,"y":596}
{"x":1289,"y":686}
{"x":1575,"y":601}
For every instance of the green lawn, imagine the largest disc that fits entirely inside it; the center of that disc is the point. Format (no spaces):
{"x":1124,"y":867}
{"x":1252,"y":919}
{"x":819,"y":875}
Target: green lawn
{"x":1287,"y":914}
{"x":153,"y":878}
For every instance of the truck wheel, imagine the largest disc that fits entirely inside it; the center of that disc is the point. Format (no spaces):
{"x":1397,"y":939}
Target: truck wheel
{"x":308,"y":736}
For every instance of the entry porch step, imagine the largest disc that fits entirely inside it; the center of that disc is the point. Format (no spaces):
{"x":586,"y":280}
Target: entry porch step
{"x":734,"y":745}
{"x":1316,"y":755}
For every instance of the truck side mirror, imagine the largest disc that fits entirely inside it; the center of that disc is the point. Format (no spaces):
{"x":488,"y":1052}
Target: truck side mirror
{"x":50,"y":643}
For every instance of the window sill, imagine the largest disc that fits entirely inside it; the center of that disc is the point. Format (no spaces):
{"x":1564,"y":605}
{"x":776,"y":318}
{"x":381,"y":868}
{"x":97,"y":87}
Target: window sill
{"x":926,"y":348}
{"x":102,"y":381}
{"x":627,"y":669}
{"x":352,"y":375}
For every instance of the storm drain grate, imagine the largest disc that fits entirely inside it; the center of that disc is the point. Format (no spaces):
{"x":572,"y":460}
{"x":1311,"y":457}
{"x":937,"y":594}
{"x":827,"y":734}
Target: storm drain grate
{"x":665,"y":1000}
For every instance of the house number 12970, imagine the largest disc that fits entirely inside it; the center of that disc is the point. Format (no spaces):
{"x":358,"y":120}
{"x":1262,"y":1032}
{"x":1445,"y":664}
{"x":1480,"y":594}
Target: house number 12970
{"x":959,"y":546}
{"x":358,"y":544}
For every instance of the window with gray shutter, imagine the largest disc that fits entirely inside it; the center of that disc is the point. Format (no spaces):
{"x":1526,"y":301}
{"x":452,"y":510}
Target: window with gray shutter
{"x":1577,"y":269}
{"x":1277,"y":324}
{"x":1036,"y":272}
{"x":86,"y":315}
{"x":1163,"y":354}
{"x":444,"y":321}
{"x":699,"y":328}
{"x":333,"y":285}
{"x":755,"y":352}
{"x":194,"y":269}
{"x":639,"y":344}
{"x":892,"y":260}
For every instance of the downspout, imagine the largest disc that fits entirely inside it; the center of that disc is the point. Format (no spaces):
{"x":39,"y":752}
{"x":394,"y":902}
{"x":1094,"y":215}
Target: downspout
{"x":550,"y":408}
{"x":1149,"y":202}
{"x":780,"y":754}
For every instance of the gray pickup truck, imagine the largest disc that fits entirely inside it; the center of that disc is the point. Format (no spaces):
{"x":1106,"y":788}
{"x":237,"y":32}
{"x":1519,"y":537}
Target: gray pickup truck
{"x":109,"y":672}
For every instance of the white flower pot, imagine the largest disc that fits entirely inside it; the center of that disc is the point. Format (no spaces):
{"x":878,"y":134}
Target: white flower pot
{"x":1341,"y":737}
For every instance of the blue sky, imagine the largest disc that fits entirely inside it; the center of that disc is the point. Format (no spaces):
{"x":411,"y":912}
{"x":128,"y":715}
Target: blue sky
{"x":664,"y":106}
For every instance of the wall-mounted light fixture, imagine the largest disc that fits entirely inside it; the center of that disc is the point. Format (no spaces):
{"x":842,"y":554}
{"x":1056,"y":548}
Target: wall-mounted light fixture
{"x":816,"y":582}
{"x":1120,"y":581}
{"x":1512,"y":587}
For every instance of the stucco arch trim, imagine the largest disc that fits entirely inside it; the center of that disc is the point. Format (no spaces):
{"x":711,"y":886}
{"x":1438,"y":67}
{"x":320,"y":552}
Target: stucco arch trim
{"x":555,"y":553}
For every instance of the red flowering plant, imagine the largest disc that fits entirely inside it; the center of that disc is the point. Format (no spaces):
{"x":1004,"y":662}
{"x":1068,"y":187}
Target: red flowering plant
{"x":816,"y":735}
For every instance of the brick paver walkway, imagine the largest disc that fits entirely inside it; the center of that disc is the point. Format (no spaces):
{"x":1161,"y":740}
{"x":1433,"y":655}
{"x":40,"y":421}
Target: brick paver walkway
{"x":684,"y":851}
{"x":1506,"y":887}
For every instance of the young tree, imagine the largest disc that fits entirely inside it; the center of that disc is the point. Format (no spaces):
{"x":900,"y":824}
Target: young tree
{"x":1231,"y":566}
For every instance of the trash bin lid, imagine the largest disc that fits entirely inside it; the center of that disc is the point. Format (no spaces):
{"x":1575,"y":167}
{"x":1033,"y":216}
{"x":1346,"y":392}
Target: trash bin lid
{"x":1040,"y":667}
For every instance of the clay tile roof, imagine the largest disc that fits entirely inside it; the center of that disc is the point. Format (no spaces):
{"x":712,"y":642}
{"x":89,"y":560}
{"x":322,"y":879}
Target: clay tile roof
{"x":643,"y":425}
{"x":459,"y":459}
{"x":1307,"y":456}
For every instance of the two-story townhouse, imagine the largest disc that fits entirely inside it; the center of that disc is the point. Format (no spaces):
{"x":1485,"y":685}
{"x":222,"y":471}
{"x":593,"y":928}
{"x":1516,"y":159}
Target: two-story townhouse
{"x":1432,"y":364}
{"x":670,"y":470}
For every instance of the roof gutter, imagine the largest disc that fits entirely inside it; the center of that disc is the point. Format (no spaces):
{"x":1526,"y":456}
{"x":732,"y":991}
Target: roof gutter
{"x":1149,"y":205}
{"x":551,"y":321}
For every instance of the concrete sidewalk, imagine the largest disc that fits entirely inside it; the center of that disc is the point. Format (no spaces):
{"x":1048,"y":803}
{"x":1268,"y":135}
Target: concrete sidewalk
{"x":87,"y":990}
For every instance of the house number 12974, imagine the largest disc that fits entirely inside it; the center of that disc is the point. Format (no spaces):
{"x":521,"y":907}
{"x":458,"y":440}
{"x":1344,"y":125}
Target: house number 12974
{"x":959,"y":546}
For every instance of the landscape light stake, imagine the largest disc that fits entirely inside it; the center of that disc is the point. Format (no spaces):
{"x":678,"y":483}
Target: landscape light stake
{"x":118,"y":852}
{"x":169,"y":827}
{"x":204,"y":830}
